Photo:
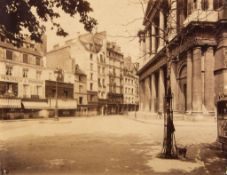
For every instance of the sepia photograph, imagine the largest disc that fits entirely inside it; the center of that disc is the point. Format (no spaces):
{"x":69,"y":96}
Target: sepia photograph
{"x":110,"y":87}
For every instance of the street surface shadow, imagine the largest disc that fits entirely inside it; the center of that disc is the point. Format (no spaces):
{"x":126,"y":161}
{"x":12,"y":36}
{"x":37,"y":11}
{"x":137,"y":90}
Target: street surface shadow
{"x":87,"y":154}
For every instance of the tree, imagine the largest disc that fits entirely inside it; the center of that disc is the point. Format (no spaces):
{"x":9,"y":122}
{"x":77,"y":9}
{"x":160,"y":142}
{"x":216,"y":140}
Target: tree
{"x":17,"y":16}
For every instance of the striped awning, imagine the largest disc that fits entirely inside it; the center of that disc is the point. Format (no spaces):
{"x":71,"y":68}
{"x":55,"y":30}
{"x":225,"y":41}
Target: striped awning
{"x":10,"y":103}
{"x":35,"y":105}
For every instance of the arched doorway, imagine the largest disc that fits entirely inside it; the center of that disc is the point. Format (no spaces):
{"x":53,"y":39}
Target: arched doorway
{"x":182,"y":89}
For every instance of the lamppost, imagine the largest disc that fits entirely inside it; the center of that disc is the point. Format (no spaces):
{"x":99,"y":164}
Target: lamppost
{"x":56,"y":73}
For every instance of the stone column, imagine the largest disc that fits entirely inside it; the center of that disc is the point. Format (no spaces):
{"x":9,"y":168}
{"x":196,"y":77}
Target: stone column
{"x":209,"y":80}
{"x":147,"y":45}
{"x":174,"y":85}
{"x":199,"y":5}
{"x":153,"y":35}
{"x":144,"y":48}
{"x":211,"y":5}
{"x":141,"y":42}
{"x":153,"y":93}
{"x":196,"y":80}
{"x":147,"y":94}
{"x":189,"y":81}
{"x":161,"y":29}
{"x":141,"y":95}
{"x":161,"y":89}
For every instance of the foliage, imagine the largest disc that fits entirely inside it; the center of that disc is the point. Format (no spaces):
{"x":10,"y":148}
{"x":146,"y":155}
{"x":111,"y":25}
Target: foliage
{"x":17,"y":16}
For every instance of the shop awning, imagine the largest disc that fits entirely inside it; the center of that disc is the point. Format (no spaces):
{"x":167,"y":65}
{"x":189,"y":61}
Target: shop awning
{"x":34,"y":105}
{"x":10,"y":103}
{"x":64,"y":104}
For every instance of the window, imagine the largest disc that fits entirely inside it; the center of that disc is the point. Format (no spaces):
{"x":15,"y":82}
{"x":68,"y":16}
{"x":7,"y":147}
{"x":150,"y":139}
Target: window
{"x":25,"y":90}
{"x":38,"y":61}
{"x":80,"y":88}
{"x":38,"y":75}
{"x":91,"y":66}
{"x":53,"y":92}
{"x":99,"y":82}
{"x":25,"y":73}
{"x":91,"y":86}
{"x":80,"y":100}
{"x":114,"y":71}
{"x":65,"y":93}
{"x":39,"y":91}
{"x":218,"y":4}
{"x":25,"y":58}
{"x":99,"y":69}
{"x":80,"y":78}
{"x":103,"y":70}
{"x":91,"y":76}
{"x":91,"y":56}
{"x":9,"y":55}
{"x":9,"y":70}
{"x":103,"y":82}
{"x":101,"y":60}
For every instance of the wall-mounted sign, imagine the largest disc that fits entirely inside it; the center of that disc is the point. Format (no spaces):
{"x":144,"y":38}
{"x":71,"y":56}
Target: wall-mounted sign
{"x":10,"y":78}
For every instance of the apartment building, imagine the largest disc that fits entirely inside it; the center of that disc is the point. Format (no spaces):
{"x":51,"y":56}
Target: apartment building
{"x":130,"y":85}
{"x":22,"y":89}
{"x":115,"y":94}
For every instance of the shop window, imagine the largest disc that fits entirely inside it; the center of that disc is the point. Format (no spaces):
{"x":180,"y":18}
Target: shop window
{"x":9,"y":55}
{"x":65,"y":93}
{"x":9,"y":70}
{"x":218,"y":4}
{"x":8,"y":89}
{"x":53,"y":92}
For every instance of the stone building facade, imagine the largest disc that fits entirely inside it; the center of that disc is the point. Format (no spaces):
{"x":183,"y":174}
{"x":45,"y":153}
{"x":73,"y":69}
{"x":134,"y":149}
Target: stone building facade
{"x":59,"y":90}
{"x":116,"y":78}
{"x":80,"y":91}
{"x":195,"y":31}
{"x":130,"y":85}
{"x":22,"y":89}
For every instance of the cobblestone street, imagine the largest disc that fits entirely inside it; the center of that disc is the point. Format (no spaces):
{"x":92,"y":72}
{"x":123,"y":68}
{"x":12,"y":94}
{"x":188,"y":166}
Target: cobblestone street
{"x":106,"y":145}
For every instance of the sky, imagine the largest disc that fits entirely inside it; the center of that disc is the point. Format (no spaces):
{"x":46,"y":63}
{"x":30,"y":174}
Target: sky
{"x":120,"y":18}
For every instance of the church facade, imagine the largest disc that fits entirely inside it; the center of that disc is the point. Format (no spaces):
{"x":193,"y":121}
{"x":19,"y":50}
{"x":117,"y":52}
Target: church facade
{"x":195,"y":32}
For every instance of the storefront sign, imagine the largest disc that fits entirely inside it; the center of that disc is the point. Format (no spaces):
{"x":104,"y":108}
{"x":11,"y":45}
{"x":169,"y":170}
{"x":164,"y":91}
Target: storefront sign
{"x":10,"y":78}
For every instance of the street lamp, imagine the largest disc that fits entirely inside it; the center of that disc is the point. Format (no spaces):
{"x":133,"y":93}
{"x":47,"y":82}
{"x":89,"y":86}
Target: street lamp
{"x":56,"y":73}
